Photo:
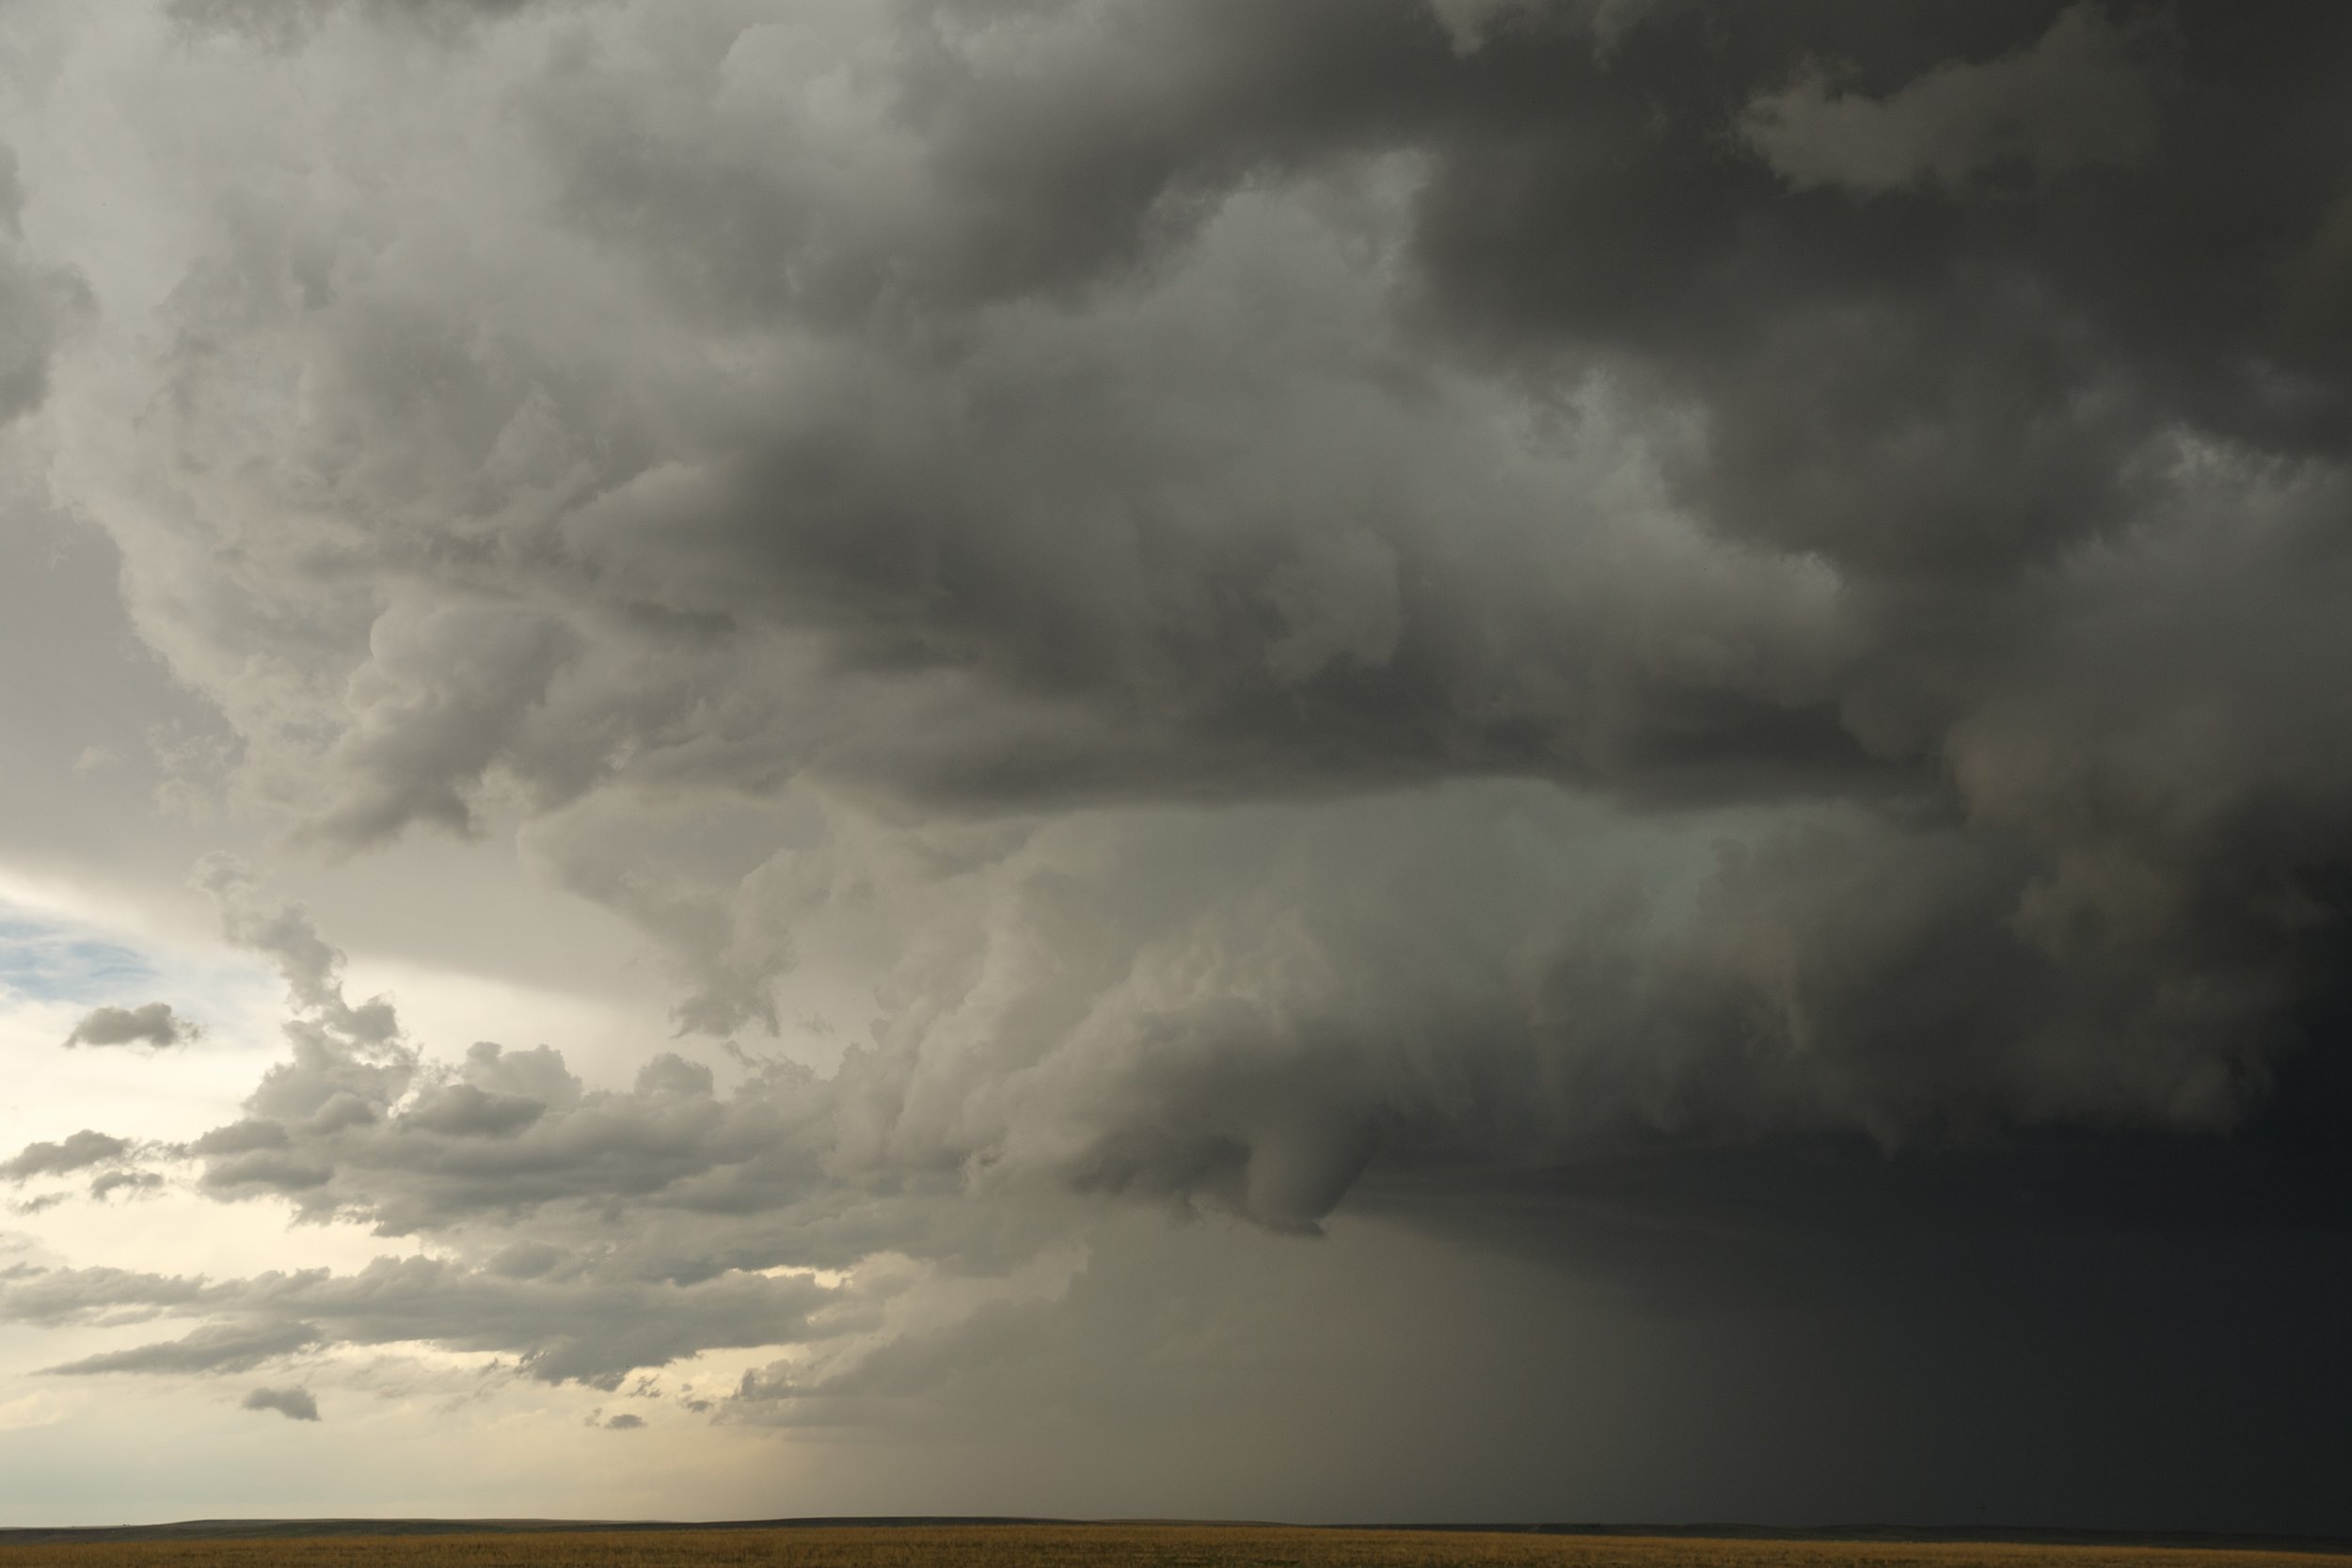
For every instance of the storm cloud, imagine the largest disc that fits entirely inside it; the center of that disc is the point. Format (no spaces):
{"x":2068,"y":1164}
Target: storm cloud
{"x":1568,"y":624}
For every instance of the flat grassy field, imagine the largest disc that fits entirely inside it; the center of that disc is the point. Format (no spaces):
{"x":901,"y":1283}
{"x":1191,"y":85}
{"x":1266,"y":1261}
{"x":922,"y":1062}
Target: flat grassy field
{"x":1117,"y":1546}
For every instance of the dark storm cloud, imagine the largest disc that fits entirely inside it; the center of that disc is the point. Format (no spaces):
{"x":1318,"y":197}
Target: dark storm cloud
{"x":1323,"y":598}
{"x":2083,"y":94}
{"x":1254,"y":1043}
{"x":152,"y":1024}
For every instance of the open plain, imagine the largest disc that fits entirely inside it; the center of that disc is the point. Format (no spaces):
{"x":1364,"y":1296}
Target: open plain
{"x":1141,"y":1545}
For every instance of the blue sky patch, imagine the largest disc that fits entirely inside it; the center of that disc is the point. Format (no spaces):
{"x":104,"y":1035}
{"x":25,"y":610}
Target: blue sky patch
{"x":54,"y":963}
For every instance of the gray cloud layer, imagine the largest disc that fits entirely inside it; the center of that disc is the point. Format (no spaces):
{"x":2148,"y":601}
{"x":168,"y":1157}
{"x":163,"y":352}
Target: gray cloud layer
{"x":1053,"y":551}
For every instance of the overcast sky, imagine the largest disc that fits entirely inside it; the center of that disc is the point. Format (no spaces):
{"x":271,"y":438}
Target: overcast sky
{"x":1330,"y":759}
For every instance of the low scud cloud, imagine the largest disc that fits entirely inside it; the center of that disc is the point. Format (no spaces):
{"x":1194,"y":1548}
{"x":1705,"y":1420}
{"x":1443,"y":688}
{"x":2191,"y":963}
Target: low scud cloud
{"x":151,"y":1023}
{"x":1439,"y":611}
{"x":295,"y":1404}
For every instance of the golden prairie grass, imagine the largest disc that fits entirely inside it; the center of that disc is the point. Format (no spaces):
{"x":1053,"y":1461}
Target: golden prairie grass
{"x":1107,"y":1546}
